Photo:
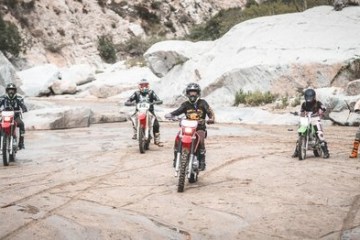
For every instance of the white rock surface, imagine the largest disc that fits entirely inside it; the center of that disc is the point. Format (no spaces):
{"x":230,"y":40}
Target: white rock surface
{"x":279,"y":53}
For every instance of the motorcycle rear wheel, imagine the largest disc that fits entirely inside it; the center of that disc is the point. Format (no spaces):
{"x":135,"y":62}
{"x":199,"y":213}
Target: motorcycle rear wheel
{"x":183,"y":163}
{"x":302,"y":147}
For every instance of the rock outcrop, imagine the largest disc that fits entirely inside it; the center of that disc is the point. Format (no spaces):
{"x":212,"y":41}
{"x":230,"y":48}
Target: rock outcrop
{"x":66,"y":32}
{"x":283,"y":54}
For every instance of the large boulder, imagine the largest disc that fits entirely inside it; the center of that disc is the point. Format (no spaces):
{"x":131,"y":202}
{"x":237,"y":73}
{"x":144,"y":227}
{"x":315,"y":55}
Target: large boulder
{"x":7,"y":74}
{"x":353,"y":88}
{"x":57,"y":118}
{"x":37,"y":81}
{"x":264,"y":54}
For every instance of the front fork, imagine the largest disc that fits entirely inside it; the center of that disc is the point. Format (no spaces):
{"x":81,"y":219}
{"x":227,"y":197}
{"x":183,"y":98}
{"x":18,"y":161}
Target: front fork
{"x":11,"y":142}
{"x":149,"y":121}
{"x":191,"y":157}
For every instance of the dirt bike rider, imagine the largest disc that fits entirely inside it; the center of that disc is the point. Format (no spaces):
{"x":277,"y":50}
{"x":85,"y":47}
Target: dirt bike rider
{"x":15,"y":102}
{"x":195,"y":108}
{"x":318,"y":109}
{"x":354,"y":152}
{"x":145,"y":94}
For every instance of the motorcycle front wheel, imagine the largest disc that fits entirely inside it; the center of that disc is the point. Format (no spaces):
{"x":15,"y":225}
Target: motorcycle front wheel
{"x":5,"y":149}
{"x":302,"y":147}
{"x":182,"y":171}
{"x":141,"y":140}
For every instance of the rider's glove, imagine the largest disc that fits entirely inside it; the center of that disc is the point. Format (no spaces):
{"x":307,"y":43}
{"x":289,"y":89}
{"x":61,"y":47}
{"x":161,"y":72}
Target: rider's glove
{"x":128,"y":103}
{"x":169,"y":116}
{"x":210,"y":121}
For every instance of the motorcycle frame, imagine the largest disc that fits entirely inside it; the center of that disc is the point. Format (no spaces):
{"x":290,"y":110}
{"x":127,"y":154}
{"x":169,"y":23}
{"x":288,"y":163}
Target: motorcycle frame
{"x":189,"y":142}
{"x":307,"y":129}
{"x":8,"y":126}
{"x":145,"y":120}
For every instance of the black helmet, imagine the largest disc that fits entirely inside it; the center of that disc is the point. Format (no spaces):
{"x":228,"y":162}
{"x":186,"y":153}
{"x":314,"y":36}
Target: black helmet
{"x":310,"y":95}
{"x":193,"y":87}
{"x":11,"y":90}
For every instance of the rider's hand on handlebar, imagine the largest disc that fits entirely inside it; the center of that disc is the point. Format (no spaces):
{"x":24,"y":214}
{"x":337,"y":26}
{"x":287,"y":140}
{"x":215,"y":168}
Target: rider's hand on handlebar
{"x":169,"y":116}
{"x":210,"y":121}
{"x":128,"y":103}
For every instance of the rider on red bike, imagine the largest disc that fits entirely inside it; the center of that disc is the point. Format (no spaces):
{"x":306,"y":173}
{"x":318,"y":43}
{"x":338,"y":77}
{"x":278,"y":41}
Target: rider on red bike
{"x":15,"y":102}
{"x":146,"y":94}
{"x":196,"y":108}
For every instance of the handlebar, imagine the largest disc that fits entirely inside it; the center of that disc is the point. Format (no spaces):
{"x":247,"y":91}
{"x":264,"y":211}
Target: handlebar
{"x":176,"y":118}
{"x":129,"y":104}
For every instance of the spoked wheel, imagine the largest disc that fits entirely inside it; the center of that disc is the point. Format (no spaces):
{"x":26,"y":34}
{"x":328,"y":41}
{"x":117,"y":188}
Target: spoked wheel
{"x":5,"y":150}
{"x":302,"y":147}
{"x":141,"y":140}
{"x":182,"y":170}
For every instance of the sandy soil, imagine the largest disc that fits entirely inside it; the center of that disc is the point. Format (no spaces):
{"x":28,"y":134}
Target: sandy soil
{"x":92,"y":183}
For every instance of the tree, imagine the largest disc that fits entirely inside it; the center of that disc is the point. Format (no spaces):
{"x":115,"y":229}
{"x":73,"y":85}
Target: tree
{"x":11,"y":41}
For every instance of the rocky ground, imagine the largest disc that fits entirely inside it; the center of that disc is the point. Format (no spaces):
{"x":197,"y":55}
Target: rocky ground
{"x":92,"y":183}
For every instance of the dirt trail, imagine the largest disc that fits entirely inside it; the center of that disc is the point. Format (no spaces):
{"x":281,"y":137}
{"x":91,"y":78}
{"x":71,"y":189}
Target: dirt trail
{"x":92,"y":183}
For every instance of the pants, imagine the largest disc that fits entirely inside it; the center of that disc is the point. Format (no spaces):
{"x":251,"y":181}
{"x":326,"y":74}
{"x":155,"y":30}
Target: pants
{"x":319,"y":129}
{"x":357,"y":134}
{"x":20,"y":124}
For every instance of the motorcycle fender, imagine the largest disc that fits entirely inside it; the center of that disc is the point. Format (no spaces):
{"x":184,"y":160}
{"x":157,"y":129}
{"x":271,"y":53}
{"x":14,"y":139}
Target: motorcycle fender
{"x":142,"y":119}
{"x":6,"y":130}
{"x":302,"y":129}
{"x":5,"y":125}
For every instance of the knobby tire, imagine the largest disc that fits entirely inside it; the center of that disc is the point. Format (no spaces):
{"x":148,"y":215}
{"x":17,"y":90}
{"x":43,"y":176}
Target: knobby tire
{"x":302,"y":147}
{"x":182,"y":170}
{"x":141,"y":140}
{"x":5,"y":151}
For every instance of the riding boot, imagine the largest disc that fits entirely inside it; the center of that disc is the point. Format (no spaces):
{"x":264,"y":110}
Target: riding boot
{"x":296,"y":151}
{"x":354,"y":152}
{"x":157,"y":140}
{"x":174,"y":161}
{"x":202,"y":163}
{"x":325,"y":149}
{"x":21,"y":143}
{"x":134,"y":133}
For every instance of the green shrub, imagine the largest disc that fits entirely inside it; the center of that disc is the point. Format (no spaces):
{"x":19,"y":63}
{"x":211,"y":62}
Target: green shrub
{"x":11,"y":41}
{"x":155,"y":5}
{"x":106,"y":49}
{"x":256,"y":98}
{"x":137,"y":46}
{"x":145,"y":14}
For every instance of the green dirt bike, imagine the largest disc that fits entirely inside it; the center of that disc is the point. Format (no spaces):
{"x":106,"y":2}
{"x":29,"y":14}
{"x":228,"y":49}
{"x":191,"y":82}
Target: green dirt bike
{"x":308,"y":139}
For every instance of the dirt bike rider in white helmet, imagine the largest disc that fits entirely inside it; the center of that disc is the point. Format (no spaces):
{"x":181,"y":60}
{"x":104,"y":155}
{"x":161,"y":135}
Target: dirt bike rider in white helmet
{"x":15,"y":102}
{"x":354,"y":152}
{"x":195,"y":108}
{"x":316,"y":107}
{"x":145,"y":93}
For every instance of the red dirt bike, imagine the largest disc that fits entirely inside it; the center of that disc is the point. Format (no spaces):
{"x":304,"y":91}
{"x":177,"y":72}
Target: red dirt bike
{"x":9,"y":136}
{"x":144,"y":121}
{"x":186,"y":160}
